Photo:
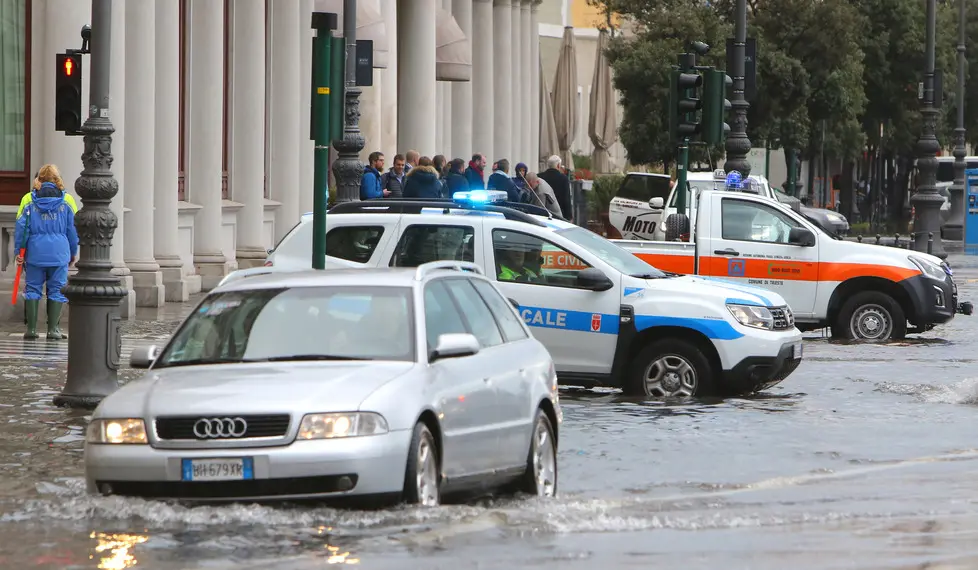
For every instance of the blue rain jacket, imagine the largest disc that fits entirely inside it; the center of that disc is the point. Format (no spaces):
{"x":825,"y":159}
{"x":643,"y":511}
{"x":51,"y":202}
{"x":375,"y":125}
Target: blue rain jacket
{"x":49,"y":224}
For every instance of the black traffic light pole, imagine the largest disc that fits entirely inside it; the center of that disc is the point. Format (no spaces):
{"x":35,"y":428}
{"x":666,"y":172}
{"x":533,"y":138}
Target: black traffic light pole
{"x":68,"y":87}
{"x":687,"y":106}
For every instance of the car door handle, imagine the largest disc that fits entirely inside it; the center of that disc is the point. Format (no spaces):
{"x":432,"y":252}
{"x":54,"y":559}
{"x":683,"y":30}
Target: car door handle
{"x":727,"y":251}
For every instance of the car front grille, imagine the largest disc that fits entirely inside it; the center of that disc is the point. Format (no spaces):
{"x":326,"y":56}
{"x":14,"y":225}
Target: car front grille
{"x":783,"y":318}
{"x":182,"y":427}
{"x":223,"y":490}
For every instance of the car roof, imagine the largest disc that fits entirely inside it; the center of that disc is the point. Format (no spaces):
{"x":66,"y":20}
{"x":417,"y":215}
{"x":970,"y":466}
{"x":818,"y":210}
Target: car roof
{"x":553,"y":224}
{"x":366,"y":277}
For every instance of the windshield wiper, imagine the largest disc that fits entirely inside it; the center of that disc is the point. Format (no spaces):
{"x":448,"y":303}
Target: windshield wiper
{"x":650,"y":276}
{"x":308,"y":357}
{"x":198,"y":361}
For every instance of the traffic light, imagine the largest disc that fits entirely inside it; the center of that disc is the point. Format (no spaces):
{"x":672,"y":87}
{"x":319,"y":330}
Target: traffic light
{"x":683,"y":104}
{"x":715,"y":106}
{"x":67,"y":109}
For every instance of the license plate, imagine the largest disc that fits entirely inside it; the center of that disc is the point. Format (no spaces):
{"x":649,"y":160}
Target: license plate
{"x":231,"y":469}
{"x":796,"y":351}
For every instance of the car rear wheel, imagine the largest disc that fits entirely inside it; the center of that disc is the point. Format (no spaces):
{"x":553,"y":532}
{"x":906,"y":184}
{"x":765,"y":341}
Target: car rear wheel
{"x":421,"y":482}
{"x":671,"y":368}
{"x":540,"y":477}
{"x":872,"y":316}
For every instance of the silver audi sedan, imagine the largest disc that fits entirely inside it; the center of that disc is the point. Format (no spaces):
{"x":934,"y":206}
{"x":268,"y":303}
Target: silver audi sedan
{"x":408,"y":384}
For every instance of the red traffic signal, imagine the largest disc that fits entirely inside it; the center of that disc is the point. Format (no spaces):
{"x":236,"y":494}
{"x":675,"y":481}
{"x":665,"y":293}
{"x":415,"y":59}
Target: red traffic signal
{"x":68,"y":94}
{"x":69,"y":65}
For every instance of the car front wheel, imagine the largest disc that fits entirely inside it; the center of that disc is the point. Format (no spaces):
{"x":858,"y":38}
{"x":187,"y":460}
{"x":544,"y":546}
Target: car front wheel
{"x":671,"y":368}
{"x":871,"y":316}
{"x":540,"y":477}
{"x":421,"y":482}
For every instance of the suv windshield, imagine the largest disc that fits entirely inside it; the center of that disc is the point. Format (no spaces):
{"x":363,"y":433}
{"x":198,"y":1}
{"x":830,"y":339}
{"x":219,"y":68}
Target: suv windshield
{"x":610,"y":253}
{"x":303,"y":323}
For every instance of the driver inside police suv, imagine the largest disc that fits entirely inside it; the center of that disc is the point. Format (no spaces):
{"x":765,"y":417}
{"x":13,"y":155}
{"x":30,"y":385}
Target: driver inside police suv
{"x":513,"y":266}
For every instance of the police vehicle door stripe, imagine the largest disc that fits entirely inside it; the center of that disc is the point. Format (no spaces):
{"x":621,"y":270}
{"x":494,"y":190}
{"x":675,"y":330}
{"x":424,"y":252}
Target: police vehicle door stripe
{"x":711,"y":328}
{"x":600,"y":323}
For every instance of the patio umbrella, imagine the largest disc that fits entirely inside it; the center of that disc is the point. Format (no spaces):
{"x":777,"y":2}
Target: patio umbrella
{"x":565,"y":97}
{"x":602,"y":125}
{"x":548,"y":128}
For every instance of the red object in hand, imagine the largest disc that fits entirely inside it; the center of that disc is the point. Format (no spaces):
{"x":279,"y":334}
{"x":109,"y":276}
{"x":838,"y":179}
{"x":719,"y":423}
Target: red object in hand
{"x":20,"y":268}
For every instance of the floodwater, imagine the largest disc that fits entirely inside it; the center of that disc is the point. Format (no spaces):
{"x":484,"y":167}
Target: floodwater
{"x":864,"y":458}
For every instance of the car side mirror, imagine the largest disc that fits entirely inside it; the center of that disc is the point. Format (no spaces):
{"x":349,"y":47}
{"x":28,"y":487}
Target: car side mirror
{"x":144,"y":356}
{"x":657,"y":203}
{"x":801,"y":236}
{"x":593,"y":280}
{"x":454,"y":345}
{"x":514,"y":303}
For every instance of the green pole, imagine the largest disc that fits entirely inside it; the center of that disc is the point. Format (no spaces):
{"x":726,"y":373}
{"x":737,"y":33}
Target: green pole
{"x":792,"y":189}
{"x":337,"y":79}
{"x":320,"y":115}
{"x":767,"y":162}
{"x":682,"y":165}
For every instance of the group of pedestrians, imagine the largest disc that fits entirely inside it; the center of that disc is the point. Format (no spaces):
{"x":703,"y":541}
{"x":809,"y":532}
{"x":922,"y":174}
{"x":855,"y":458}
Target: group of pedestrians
{"x":414,"y":176}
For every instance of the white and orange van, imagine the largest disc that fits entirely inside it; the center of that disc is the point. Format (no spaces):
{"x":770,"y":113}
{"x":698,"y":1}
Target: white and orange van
{"x":860,"y":291}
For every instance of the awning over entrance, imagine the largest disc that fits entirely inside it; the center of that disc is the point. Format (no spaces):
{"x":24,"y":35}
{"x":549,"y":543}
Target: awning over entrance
{"x":453,"y":51}
{"x":370,"y":26}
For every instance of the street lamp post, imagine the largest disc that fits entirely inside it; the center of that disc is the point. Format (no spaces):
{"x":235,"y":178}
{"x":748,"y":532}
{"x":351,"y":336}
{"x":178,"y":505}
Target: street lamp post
{"x":94,"y":340}
{"x":954,"y":228}
{"x":347,"y":169}
{"x":926,"y":201}
{"x":737,"y":144}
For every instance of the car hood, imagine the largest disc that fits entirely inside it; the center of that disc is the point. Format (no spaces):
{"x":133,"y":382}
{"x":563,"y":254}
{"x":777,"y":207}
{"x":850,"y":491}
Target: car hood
{"x":293,"y":387}
{"x":710,"y":289}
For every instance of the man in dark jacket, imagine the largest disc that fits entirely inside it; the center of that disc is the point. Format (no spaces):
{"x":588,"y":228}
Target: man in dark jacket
{"x":455,"y":177}
{"x":370,"y":186}
{"x":422,"y":181}
{"x":500,"y":180}
{"x":560,"y":184}
{"x":393,"y":179}
{"x":474,"y":174}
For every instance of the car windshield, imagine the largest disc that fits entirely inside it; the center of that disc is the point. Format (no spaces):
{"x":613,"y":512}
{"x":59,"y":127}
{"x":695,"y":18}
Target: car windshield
{"x":610,"y":253}
{"x":303,"y":323}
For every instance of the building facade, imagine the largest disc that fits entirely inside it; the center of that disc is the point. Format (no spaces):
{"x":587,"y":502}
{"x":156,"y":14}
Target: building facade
{"x":210,"y":101}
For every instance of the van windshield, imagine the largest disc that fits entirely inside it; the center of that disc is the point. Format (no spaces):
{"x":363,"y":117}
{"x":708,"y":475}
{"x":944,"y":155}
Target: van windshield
{"x":611,"y":254}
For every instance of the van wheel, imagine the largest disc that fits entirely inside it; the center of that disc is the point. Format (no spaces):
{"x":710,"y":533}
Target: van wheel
{"x":872,"y":316}
{"x":421,"y":482}
{"x":671,"y":368}
{"x":676,"y":225}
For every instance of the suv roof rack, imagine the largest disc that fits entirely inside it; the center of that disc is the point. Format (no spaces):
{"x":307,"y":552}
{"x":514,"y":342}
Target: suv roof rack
{"x":410,"y":206}
{"x":426,"y":268}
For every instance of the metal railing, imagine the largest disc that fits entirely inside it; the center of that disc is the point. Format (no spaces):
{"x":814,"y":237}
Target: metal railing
{"x":907,"y":245}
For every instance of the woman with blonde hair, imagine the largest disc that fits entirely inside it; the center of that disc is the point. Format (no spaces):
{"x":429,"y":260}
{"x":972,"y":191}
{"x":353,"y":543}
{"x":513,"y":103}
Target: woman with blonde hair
{"x":47,"y":228}
{"x":47,"y":173}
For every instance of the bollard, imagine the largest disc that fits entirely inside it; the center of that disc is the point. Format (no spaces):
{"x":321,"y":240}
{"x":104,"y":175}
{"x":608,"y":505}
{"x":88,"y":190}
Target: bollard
{"x":896,"y":240}
{"x":878,"y":239}
{"x":930,"y":243}
{"x":859,"y":238}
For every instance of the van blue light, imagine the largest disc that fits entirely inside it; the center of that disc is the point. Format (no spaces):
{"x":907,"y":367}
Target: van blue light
{"x":480,"y":196}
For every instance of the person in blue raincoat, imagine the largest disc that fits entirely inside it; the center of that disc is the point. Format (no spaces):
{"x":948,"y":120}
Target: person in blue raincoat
{"x":48,"y":223}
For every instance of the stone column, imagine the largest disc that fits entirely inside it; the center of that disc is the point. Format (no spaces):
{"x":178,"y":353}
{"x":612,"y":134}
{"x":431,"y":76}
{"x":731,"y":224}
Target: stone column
{"x":370,"y":102}
{"x":140,"y":95}
{"x":248,"y":129}
{"x":535,"y":85}
{"x":306,"y":163}
{"x":166,"y":243}
{"x":284,"y":124}
{"x":483,"y":80}
{"x":516,"y":93}
{"x":205,"y":127}
{"x":416,"y":75}
{"x":388,"y":84}
{"x":438,"y":119}
{"x":462,"y":90}
{"x":117,"y":85}
{"x":502,"y":47}
{"x":525,"y":99}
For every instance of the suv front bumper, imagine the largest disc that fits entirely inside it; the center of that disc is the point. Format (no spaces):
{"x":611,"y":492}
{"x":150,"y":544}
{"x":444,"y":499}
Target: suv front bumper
{"x":757,"y":373}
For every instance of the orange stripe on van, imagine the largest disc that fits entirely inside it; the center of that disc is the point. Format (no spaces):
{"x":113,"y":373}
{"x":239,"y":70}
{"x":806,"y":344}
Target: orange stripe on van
{"x":684,"y":264}
{"x":844,"y":271}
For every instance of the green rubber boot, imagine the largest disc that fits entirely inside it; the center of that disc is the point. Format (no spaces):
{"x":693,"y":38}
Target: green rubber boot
{"x":54,"y":319}
{"x":30,"y":311}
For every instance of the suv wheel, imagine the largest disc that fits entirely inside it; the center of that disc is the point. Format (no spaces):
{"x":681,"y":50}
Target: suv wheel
{"x":671,"y":368}
{"x":871,"y":316}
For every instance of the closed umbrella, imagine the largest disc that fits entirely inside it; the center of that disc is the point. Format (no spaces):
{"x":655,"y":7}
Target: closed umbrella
{"x":565,"y":97}
{"x":602,"y":125}
{"x":548,"y":128}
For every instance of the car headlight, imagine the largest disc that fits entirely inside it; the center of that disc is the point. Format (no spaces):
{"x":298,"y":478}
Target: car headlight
{"x":346,"y":424}
{"x":752,"y":316}
{"x":125,"y":430}
{"x":929,"y":268}
{"x":833,"y":217}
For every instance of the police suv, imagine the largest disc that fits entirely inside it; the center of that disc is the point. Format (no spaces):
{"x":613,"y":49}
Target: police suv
{"x":607,"y":317}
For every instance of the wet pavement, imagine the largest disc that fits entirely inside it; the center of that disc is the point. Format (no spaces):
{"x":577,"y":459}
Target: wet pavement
{"x":863,"y":458}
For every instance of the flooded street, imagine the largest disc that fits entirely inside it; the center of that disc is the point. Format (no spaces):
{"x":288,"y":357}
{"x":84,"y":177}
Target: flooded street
{"x":863,"y":458}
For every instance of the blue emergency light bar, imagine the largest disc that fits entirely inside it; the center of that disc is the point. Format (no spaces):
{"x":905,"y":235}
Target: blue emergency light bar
{"x":480,"y":196}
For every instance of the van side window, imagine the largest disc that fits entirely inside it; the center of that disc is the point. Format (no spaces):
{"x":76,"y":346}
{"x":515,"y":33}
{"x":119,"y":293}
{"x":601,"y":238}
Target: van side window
{"x":353,"y":243}
{"x":644,"y":188}
{"x":751,"y":221}
{"x":422,"y":243}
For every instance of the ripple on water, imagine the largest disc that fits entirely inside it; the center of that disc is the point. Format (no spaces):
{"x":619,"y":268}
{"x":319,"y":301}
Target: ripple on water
{"x":962,"y":392}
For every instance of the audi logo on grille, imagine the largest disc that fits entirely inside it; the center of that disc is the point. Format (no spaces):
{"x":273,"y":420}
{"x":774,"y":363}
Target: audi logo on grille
{"x":212,"y":428}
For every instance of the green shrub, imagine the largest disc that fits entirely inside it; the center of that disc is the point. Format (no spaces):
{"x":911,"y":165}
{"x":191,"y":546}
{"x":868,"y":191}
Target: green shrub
{"x":604,"y":189}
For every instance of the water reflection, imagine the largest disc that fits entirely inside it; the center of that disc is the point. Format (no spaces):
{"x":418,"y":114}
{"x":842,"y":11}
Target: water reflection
{"x":119,"y":547}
